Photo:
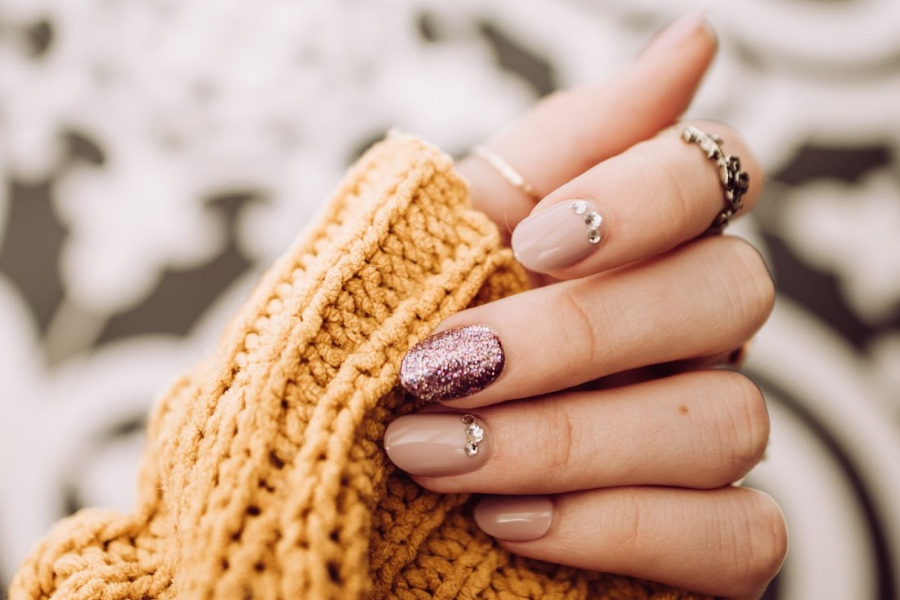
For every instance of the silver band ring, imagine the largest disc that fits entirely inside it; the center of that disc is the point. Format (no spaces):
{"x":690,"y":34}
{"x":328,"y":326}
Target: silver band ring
{"x":734,"y":181}
{"x":505,"y":170}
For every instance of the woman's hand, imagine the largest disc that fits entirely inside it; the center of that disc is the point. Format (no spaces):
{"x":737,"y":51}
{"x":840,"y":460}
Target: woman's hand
{"x":552,"y":400}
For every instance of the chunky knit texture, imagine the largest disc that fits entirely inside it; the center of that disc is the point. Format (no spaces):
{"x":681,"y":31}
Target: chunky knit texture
{"x":264,"y":476}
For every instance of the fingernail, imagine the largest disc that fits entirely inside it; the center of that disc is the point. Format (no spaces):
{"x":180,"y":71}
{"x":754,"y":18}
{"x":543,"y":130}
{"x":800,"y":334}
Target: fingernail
{"x":559,"y":237}
{"x":453,"y":364}
{"x":676,"y":32}
{"x":515,"y":518}
{"x":436,"y":445}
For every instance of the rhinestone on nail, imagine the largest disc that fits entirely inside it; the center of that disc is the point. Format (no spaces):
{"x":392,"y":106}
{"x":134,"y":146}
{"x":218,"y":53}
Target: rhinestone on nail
{"x":592,"y":219}
{"x":474,"y":434}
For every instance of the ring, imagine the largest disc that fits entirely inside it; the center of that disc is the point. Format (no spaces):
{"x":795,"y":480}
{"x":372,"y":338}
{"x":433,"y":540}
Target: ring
{"x":474,"y":434}
{"x":734,"y":181}
{"x":499,"y":164}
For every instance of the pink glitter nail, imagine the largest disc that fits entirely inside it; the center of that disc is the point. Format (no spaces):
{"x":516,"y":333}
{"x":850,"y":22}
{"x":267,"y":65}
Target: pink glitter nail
{"x":453,"y":364}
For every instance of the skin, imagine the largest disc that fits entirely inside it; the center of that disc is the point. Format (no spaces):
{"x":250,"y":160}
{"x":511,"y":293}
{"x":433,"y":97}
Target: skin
{"x":650,"y":496}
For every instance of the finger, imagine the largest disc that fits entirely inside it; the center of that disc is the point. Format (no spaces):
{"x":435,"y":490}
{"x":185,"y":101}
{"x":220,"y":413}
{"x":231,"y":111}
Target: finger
{"x":732,"y":359}
{"x":647,"y":200}
{"x":698,"y":300}
{"x":571,"y":131}
{"x":728,"y":542}
{"x":698,"y":430}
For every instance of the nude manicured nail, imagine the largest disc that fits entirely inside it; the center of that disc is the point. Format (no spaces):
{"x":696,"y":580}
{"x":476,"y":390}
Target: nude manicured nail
{"x":559,"y":237}
{"x":437,"y":444}
{"x":515,"y":518}
{"x":453,"y":364}
{"x":676,"y":32}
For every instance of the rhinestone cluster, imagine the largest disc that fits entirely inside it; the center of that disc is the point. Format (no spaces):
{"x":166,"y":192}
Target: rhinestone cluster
{"x":474,"y":434}
{"x":592,"y":219}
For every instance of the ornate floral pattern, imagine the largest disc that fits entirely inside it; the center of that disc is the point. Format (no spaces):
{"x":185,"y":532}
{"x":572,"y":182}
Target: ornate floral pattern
{"x":157,"y":155}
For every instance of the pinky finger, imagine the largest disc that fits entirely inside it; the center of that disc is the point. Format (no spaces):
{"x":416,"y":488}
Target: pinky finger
{"x":728,"y":543}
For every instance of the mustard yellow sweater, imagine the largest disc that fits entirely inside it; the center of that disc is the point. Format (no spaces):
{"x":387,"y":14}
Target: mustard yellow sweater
{"x":264,"y":476}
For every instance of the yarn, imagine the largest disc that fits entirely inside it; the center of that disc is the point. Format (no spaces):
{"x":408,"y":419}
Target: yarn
{"x":264,"y":475}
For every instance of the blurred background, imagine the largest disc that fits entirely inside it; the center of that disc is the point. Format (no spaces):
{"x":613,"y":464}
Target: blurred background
{"x":156,"y":155}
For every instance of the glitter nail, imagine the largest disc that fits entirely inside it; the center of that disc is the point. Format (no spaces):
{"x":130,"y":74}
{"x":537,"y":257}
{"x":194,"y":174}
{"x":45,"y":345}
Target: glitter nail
{"x":453,"y":364}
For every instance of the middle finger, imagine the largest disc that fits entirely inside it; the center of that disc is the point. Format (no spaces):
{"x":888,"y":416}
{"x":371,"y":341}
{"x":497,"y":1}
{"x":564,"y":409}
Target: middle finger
{"x":701,"y":299}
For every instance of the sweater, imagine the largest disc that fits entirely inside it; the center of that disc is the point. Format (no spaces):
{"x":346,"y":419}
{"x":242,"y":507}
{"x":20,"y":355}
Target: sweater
{"x":264,"y":476}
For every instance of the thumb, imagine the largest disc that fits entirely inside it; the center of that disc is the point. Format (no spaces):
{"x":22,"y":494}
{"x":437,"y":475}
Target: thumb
{"x":572,"y":130}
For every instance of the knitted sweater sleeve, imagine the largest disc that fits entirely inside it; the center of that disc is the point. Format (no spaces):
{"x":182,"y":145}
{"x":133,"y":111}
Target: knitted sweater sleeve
{"x":263,"y":476}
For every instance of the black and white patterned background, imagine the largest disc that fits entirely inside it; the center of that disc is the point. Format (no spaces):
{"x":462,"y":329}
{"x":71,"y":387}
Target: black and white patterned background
{"x":156,"y":155}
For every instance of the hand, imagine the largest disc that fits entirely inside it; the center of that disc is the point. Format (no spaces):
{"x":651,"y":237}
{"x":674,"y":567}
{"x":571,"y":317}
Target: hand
{"x":552,"y":400}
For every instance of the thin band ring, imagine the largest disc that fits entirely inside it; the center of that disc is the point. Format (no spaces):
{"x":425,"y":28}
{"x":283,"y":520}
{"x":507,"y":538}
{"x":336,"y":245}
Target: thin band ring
{"x":506,"y":171}
{"x":735,"y":182}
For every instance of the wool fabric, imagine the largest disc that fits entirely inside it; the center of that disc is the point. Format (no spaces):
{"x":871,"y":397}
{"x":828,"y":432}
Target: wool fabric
{"x":264,"y":476}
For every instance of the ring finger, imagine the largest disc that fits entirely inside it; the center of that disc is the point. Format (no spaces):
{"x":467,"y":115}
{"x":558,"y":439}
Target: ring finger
{"x":701,"y":430}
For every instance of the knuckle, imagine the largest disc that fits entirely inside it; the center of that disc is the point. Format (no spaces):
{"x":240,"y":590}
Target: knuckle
{"x":748,"y":423}
{"x":757,"y":543}
{"x":768,"y":539}
{"x":752,"y":280}
{"x":555,"y":437}
{"x":625,"y":513}
{"x":576,"y":328}
{"x":671,"y":200}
